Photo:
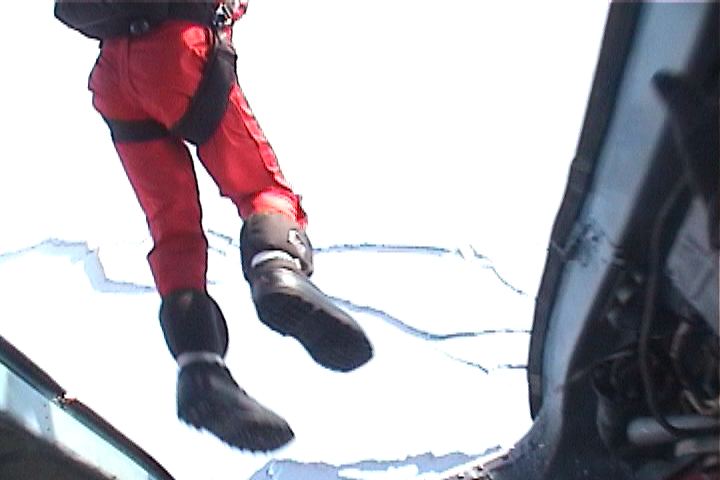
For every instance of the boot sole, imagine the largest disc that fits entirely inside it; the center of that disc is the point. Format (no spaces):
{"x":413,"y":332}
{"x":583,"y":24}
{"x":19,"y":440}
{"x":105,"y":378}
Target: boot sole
{"x":255,"y":433}
{"x":291,"y":305}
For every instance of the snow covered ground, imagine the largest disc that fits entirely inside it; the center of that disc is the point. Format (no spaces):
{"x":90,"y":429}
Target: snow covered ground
{"x":431,"y":144}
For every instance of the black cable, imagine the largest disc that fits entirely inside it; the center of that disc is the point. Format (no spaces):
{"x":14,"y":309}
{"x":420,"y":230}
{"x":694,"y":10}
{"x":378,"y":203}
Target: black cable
{"x":648,"y":313}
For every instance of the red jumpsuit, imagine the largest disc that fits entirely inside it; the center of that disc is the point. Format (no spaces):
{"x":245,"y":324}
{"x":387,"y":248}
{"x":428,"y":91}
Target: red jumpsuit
{"x":153,"y":77}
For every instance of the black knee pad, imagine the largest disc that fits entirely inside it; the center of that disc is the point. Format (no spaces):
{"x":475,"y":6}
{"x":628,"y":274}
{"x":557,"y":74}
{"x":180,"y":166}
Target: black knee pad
{"x":192,"y":321}
{"x":273,"y":231}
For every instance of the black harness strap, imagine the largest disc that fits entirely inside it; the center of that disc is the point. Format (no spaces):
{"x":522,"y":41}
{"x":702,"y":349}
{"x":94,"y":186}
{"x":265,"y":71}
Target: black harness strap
{"x":129,"y":131}
{"x":207,"y":105}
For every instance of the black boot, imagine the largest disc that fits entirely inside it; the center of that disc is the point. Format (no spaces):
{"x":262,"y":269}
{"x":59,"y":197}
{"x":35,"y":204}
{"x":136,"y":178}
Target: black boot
{"x":208,"y":398}
{"x":277,"y":261}
{"x":207,"y":395}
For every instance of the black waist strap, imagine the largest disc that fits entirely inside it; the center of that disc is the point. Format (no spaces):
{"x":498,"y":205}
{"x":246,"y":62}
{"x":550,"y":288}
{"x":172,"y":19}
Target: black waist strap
{"x":200,"y":12}
{"x":204,"y":13}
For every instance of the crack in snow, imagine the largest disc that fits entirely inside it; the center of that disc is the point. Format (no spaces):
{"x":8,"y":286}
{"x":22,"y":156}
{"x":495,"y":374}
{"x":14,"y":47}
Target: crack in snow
{"x":418,"y":464}
{"x":390,"y":248}
{"x":225,"y":238}
{"x":62,"y":247}
{"x":416,"y":332}
{"x":433,"y":337}
{"x":80,"y":252}
{"x":419,"y":249}
{"x":386,"y":248}
{"x":486,"y":370}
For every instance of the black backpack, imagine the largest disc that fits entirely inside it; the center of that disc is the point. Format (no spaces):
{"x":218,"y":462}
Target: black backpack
{"x":102,"y":19}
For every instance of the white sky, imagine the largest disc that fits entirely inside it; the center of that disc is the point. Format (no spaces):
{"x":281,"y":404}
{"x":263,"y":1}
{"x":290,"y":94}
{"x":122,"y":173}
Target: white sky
{"x":446,"y":123}
{"x":406,"y":117}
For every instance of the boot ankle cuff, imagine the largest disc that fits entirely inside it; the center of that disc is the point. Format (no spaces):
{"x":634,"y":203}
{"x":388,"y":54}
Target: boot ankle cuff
{"x":187,"y":358}
{"x":279,"y":256}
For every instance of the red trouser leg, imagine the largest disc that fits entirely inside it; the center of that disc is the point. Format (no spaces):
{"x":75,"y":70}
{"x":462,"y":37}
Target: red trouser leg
{"x":244,"y":166}
{"x":162,"y":175}
{"x":153,"y":77}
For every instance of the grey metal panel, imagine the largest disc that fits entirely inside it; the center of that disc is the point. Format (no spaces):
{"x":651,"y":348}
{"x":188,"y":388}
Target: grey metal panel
{"x":42,"y":417}
{"x":24,"y":456}
{"x":666,"y":40}
{"x":603,"y":236}
{"x":637,"y":128}
{"x":49,"y":421}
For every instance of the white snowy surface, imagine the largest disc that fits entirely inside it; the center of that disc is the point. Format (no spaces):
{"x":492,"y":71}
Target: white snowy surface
{"x":431,"y":143}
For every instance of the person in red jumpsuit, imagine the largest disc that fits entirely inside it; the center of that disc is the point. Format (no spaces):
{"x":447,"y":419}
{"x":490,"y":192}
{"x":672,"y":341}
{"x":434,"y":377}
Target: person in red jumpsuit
{"x":161,"y":86}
